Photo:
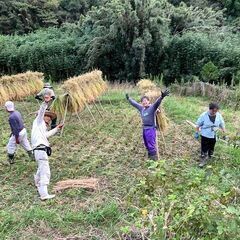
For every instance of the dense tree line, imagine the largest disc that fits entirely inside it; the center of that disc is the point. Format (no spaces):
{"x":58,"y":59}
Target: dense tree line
{"x":24,"y":16}
{"x":126,"y":39}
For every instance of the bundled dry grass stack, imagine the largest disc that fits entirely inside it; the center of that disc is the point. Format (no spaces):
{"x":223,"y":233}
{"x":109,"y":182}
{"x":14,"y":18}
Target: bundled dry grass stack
{"x":146,"y":85}
{"x":17,"y":87}
{"x":88,"y":183}
{"x":149,"y":89}
{"x":79,"y":92}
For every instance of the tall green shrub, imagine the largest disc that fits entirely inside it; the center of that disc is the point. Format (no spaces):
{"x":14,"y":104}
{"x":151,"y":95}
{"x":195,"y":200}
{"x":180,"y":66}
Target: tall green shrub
{"x":210,"y":72}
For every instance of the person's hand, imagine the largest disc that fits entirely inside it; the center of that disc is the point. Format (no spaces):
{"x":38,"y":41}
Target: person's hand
{"x":196,"y":135}
{"x":17,"y":140}
{"x":127,"y":96}
{"x":165,"y":93}
{"x":38,"y":98}
{"x":60,"y":126}
{"x":47,"y":98}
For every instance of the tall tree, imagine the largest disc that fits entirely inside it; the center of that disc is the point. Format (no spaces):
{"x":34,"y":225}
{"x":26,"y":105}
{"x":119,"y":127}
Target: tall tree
{"x":125,"y":36}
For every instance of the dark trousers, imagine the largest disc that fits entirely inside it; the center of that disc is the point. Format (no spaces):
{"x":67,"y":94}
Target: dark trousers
{"x":207,"y":146}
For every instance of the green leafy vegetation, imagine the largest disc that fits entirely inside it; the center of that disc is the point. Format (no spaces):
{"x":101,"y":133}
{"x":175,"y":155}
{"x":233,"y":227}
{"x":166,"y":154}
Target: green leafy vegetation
{"x":127,"y":40}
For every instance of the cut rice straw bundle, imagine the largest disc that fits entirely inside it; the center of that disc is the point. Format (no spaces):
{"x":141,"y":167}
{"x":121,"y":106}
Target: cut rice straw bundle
{"x":89,"y":183}
{"x":145,"y":85}
{"x":162,"y":120}
{"x":83,"y":90}
{"x":17,"y":87}
{"x":57,"y":107}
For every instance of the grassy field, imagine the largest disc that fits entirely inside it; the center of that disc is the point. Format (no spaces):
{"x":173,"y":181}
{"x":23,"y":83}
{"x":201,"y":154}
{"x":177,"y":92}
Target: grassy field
{"x":137,"y":199}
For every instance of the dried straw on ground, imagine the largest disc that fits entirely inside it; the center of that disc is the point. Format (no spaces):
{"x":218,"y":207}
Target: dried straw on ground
{"x":149,"y":89}
{"x":80,"y":91}
{"x":88,"y":183}
{"x":17,"y":87}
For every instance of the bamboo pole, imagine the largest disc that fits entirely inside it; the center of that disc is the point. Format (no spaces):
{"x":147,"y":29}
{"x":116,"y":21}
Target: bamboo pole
{"x":90,"y":112}
{"x":65,"y":114}
{"x":157,"y":147}
{"x":95,"y":105}
{"x":99,"y":101}
{"x":79,"y":119}
{"x":164,"y":142}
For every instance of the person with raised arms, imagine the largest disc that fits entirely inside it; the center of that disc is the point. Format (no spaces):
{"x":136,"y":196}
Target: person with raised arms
{"x":148,"y":115}
{"x":41,"y":146}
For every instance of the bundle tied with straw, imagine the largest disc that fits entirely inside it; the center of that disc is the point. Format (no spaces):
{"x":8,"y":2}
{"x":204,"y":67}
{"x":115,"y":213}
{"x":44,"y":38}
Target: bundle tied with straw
{"x":145,"y":85}
{"x":149,"y":89}
{"x":88,"y":183}
{"x":17,"y":87}
{"x":79,"y":92}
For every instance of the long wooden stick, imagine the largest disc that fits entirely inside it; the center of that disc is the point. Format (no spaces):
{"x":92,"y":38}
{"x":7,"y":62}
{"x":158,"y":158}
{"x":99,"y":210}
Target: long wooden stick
{"x":108,"y":98}
{"x":157,"y":148}
{"x":90,"y":112}
{"x":79,"y":119}
{"x":164,"y":142}
{"x":65,"y":114}
{"x":99,"y":101}
{"x":191,"y":123}
{"x":157,"y":145}
{"x":98,"y":110}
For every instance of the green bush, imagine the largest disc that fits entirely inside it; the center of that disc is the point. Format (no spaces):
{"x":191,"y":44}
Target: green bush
{"x":51,"y":51}
{"x":127,"y":40}
{"x":187,"y":54}
{"x":210,"y":72}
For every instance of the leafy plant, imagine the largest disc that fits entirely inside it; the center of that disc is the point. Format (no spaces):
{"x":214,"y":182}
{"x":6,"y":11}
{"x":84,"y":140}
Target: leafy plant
{"x":210,"y":72}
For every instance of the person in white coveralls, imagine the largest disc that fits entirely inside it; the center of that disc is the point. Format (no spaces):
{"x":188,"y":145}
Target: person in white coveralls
{"x":41,"y":146}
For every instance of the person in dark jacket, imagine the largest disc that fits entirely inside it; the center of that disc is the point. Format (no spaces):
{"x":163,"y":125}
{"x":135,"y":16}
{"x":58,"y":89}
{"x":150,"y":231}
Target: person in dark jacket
{"x":18,"y":133}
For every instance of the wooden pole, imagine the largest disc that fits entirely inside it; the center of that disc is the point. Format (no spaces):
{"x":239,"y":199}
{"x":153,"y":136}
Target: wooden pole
{"x":157,"y":147}
{"x":99,"y":101}
{"x":65,"y":114}
{"x":90,"y":112}
{"x":164,"y":142}
{"x":98,"y":110}
{"x":79,"y":119}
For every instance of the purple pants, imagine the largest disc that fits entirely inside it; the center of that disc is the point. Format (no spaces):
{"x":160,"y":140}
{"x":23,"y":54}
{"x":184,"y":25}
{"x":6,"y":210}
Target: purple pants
{"x":149,"y":138}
